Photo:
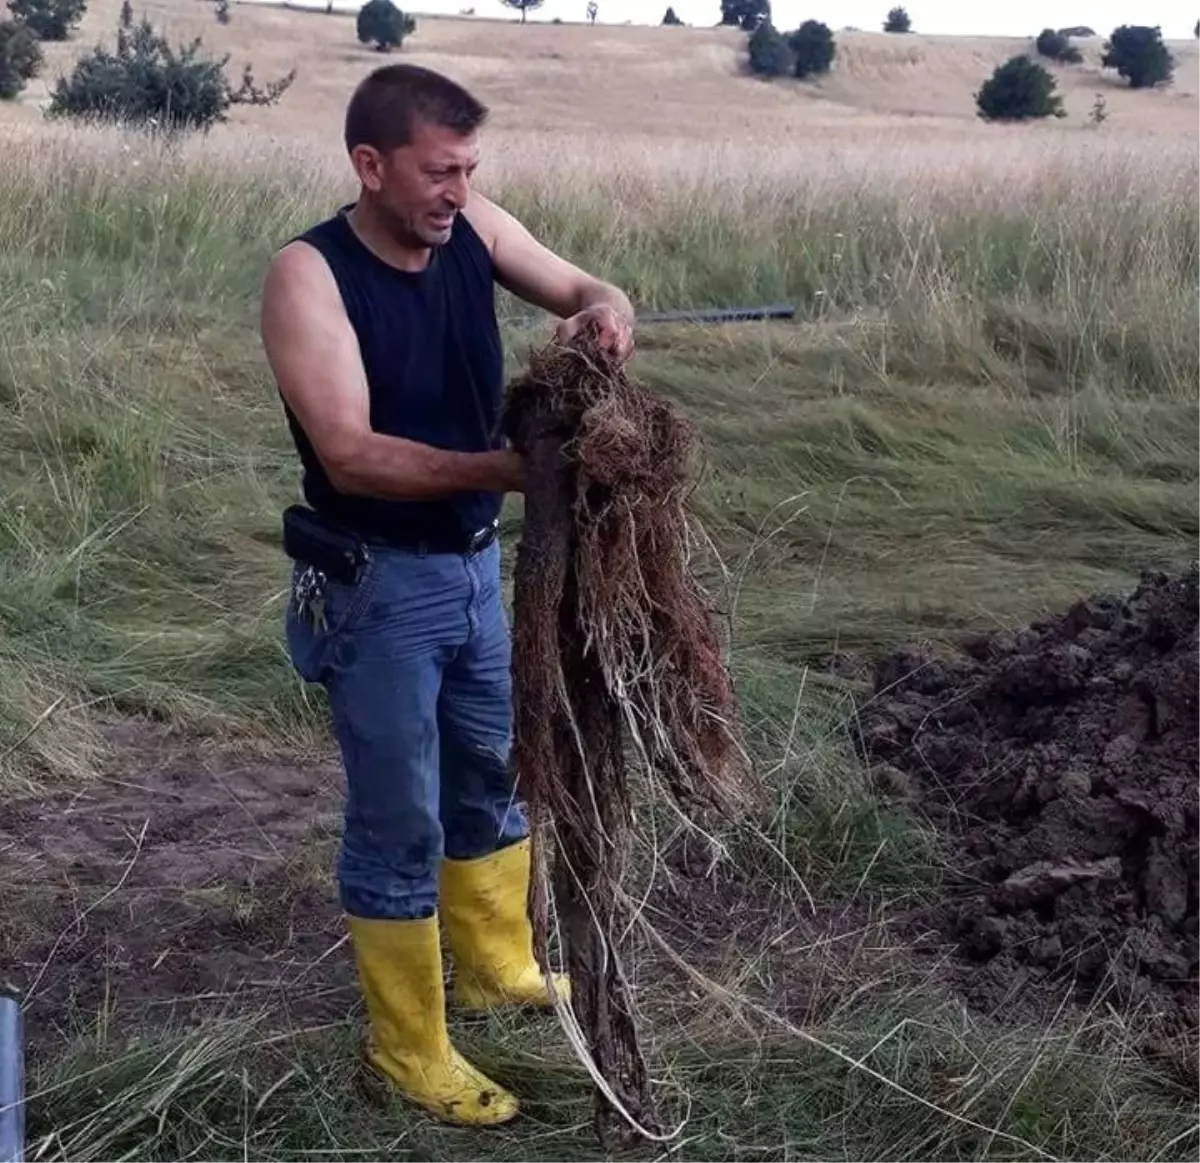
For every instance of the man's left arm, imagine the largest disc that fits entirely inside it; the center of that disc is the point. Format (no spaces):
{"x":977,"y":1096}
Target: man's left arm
{"x":539,"y":276}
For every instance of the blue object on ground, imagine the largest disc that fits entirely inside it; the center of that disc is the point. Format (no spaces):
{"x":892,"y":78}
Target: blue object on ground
{"x":12,"y":1083}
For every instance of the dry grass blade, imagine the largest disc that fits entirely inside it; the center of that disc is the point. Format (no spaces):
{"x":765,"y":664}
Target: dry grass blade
{"x":615,"y":654}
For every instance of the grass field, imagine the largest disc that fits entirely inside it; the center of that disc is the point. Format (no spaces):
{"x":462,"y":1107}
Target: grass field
{"x":986,"y":408}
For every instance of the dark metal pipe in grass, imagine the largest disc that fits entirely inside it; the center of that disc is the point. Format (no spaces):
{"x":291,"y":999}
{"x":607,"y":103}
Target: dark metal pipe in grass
{"x":719,"y":314}
{"x":12,"y":1083}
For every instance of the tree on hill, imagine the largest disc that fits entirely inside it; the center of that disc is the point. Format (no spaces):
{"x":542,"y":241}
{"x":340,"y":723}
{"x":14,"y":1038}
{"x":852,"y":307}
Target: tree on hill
{"x":1018,"y":90}
{"x":525,"y":6}
{"x":669,"y":17}
{"x":593,"y":10}
{"x":1077,"y":30}
{"x":146,"y":83}
{"x":813,"y":47}
{"x":745,"y":14}
{"x":1057,"y":47}
{"x":897,"y":20}
{"x":126,"y":19}
{"x":48,"y":19}
{"x":1138,"y":53}
{"x":20,"y":58}
{"x":770,"y":55}
{"x":382,"y":24}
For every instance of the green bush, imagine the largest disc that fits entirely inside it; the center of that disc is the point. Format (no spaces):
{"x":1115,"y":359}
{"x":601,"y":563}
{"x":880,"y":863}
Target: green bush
{"x":898,"y":20}
{"x":382,"y":24}
{"x":813,"y":47}
{"x":20,"y":58}
{"x":49,"y":19}
{"x":770,"y":55}
{"x":1137,"y":52}
{"x":1018,"y":90}
{"x":1058,"y":47}
{"x":146,"y":83}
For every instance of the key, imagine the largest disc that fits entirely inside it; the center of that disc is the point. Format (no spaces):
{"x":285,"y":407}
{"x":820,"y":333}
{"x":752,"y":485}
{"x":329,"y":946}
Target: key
{"x":310,"y":597}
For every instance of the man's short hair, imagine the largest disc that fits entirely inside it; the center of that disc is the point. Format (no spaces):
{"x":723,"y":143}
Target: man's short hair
{"x":388,"y":101}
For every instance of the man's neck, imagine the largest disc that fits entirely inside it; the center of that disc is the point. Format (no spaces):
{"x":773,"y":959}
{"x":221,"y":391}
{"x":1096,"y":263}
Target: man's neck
{"x":372,"y":233}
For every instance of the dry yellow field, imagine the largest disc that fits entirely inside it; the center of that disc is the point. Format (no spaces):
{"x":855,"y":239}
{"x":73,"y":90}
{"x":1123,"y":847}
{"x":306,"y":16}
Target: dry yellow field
{"x":638,"y":82}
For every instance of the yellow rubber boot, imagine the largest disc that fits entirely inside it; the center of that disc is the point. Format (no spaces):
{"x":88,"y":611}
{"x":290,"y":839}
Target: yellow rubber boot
{"x":400,"y":969}
{"x":483,"y":904}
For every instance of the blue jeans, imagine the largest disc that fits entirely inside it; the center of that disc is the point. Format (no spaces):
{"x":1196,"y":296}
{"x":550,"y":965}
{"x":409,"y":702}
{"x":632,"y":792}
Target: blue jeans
{"x":415,"y":659}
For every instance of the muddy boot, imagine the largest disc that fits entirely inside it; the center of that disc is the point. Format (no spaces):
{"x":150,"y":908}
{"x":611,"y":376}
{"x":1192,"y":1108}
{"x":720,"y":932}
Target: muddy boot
{"x":400,"y":970}
{"x":483,"y":903}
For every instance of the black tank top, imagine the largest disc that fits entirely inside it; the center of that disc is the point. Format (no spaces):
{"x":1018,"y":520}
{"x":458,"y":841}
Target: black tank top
{"x":430,"y":344}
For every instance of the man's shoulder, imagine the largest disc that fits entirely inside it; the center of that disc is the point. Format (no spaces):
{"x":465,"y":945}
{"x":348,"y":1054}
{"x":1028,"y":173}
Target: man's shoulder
{"x":301,"y":275}
{"x":484,"y":219}
{"x":299,"y":257}
{"x":314,"y":253}
{"x":319,"y":240}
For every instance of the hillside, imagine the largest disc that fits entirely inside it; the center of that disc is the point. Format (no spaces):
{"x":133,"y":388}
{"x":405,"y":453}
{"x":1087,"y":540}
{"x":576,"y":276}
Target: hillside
{"x":926,"y":939}
{"x":677,"y":82}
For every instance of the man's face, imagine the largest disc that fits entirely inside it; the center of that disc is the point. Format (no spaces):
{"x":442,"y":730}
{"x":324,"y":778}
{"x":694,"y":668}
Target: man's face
{"x":420,"y":187}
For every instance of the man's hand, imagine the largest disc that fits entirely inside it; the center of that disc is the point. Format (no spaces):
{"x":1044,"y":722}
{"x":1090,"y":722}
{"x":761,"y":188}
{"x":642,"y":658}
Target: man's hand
{"x":611,"y":328}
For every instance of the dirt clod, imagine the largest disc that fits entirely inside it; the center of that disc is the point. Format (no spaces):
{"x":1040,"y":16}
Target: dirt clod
{"x":1061,"y":762}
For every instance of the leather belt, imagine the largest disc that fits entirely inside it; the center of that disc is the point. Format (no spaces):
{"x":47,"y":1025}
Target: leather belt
{"x":470,"y":544}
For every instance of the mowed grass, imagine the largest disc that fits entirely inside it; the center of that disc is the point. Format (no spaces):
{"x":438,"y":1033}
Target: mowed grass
{"x":986,"y":409}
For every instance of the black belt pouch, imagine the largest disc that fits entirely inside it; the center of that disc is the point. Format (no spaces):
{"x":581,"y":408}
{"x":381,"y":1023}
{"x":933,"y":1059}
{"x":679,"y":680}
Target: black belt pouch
{"x":310,"y":538}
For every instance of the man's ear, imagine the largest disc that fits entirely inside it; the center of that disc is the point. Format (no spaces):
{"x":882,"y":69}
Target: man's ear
{"x":368,"y":164}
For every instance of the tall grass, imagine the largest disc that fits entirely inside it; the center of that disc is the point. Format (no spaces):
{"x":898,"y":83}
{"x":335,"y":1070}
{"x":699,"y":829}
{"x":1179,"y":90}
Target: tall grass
{"x":988,"y":407}
{"x":1018,"y":315}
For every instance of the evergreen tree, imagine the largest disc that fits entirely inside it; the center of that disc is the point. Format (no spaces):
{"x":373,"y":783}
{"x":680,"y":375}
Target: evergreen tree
{"x":745,"y":14}
{"x":1138,"y":53}
{"x":148,"y":83}
{"x":49,"y":19}
{"x":382,"y":24}
{"x":813,"y":47}
{"x":1057,"y":47}
{"x":20,"y":58}
{"x":1018,"y":90}
{"x":770,"y":55}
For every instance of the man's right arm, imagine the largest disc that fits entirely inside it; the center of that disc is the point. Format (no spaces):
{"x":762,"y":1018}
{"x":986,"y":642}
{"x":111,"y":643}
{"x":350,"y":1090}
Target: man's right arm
{"x":314,"y":355}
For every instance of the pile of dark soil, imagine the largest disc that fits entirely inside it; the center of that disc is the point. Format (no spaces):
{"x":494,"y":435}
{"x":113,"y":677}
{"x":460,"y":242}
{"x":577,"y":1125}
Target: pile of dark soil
{"x":1061,"y":763}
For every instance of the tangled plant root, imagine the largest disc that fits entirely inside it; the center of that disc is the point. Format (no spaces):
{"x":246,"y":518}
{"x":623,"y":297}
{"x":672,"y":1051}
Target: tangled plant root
{"x":615,"y":654}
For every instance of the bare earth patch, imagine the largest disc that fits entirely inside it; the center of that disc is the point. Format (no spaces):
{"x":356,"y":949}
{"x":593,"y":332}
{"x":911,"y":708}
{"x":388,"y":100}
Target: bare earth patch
{"x":189,"y":872}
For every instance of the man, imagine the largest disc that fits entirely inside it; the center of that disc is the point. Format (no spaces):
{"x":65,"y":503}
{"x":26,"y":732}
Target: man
{"x":380,"y":328}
